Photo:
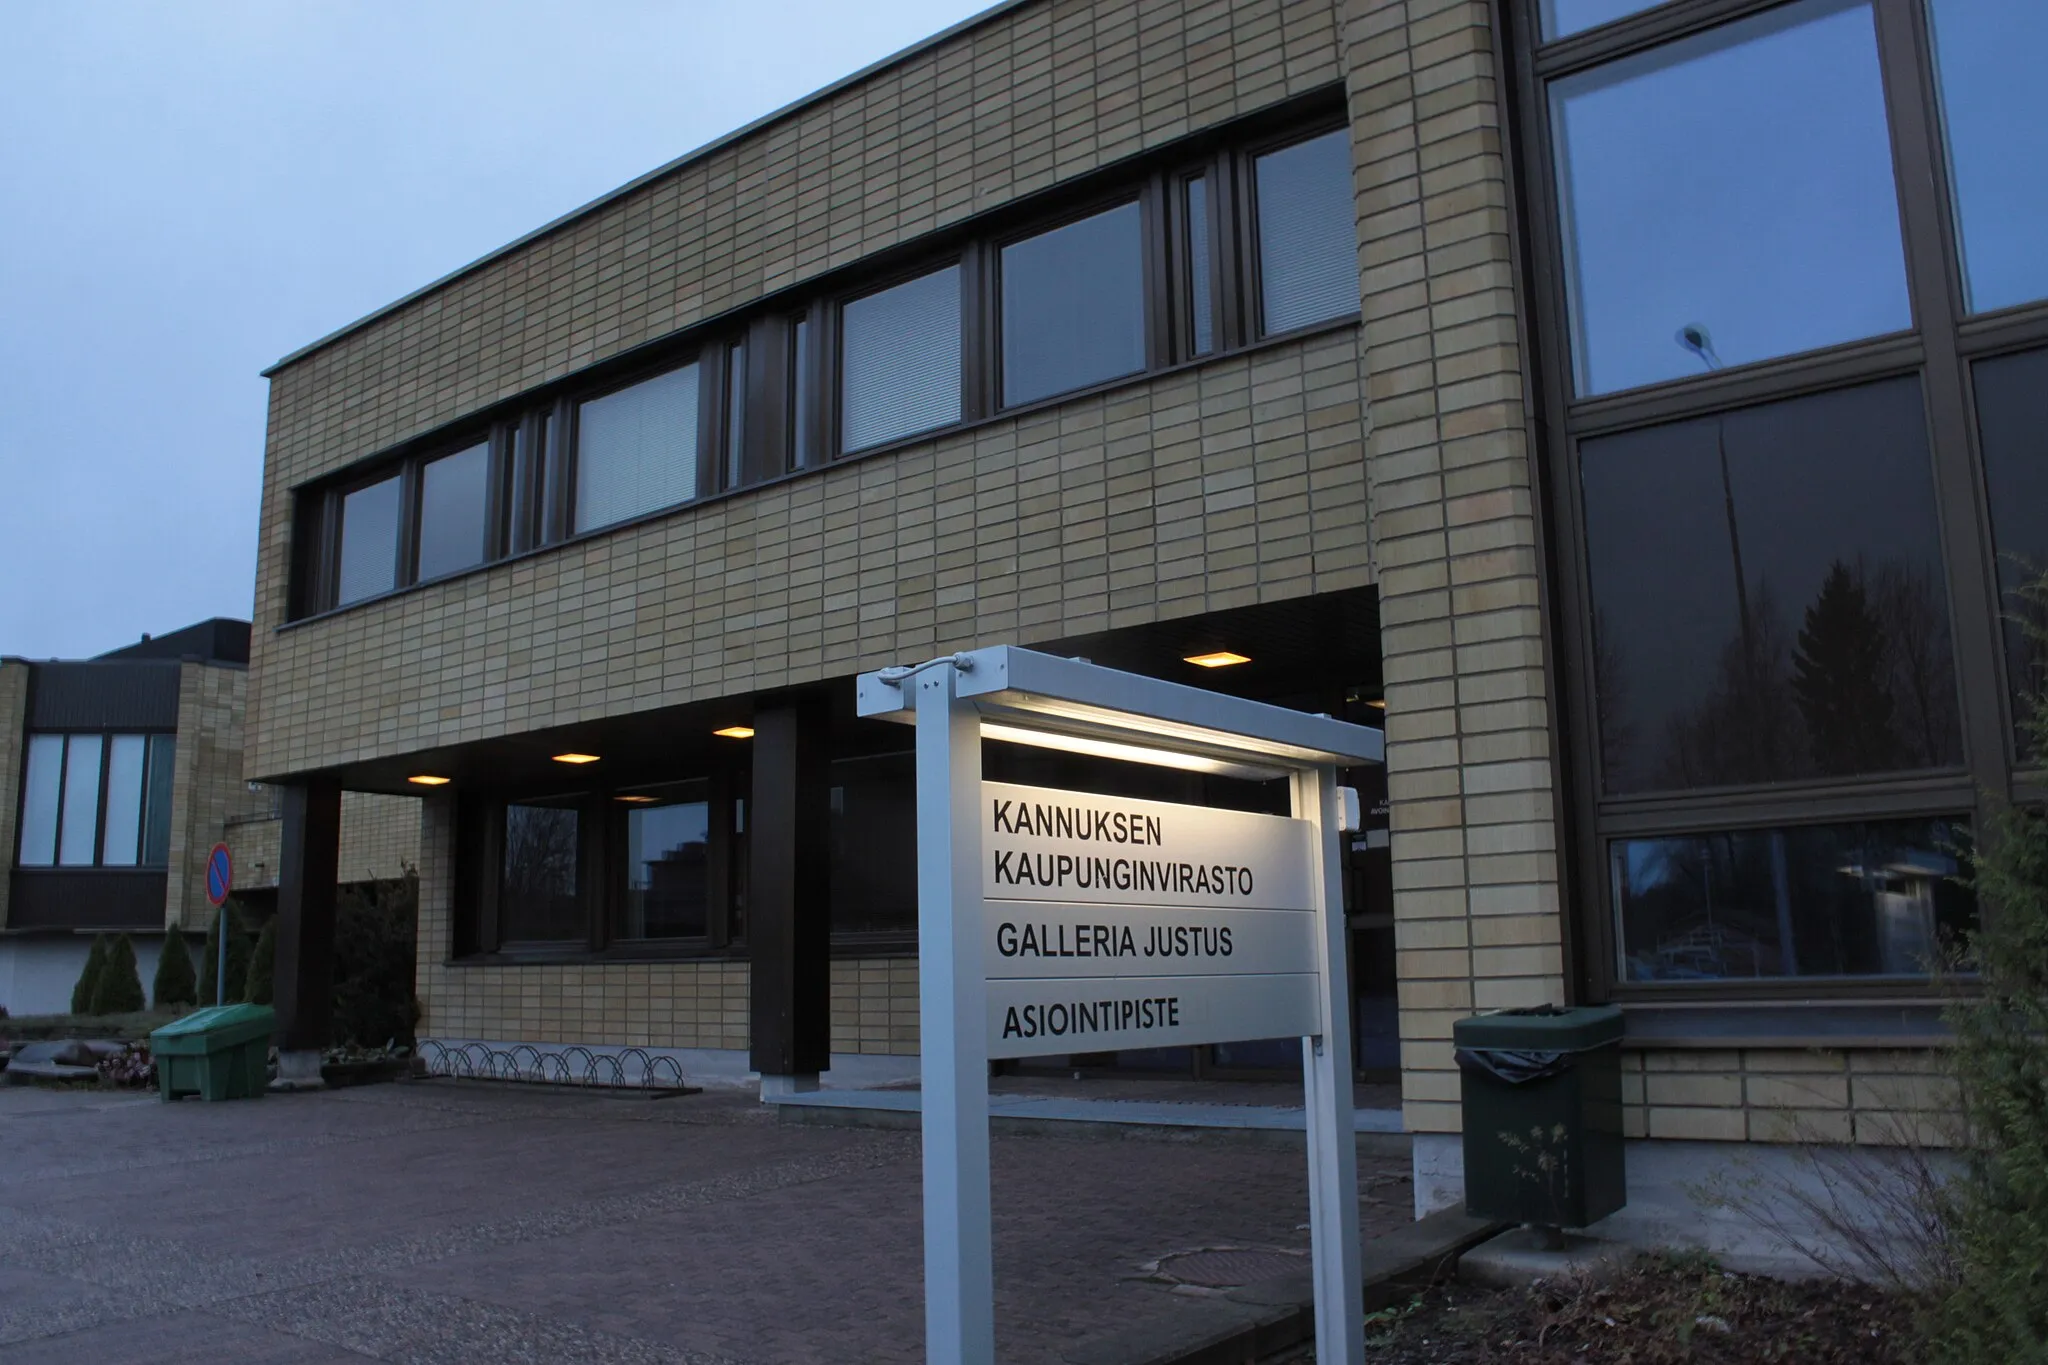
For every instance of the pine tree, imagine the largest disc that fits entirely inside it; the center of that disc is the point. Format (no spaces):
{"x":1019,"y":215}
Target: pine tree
{"x":238,"y":957}
{"x":262,"y":964}
{"x":1840,"y":675}
{"x":119,"y":987}
{"x":82,"y":993}
{"x":175,"y":983}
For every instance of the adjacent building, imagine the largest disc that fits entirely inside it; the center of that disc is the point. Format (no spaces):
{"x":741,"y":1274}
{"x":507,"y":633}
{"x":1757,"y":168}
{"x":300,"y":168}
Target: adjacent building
{"x":120,"y":773}
{"x":1637,"y":407}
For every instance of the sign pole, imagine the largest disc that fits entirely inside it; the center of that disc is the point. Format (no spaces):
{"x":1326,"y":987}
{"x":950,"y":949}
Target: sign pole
{"x":220,"y":882}
{"x":959,"y":1269}
{"x":1326,"y":1082}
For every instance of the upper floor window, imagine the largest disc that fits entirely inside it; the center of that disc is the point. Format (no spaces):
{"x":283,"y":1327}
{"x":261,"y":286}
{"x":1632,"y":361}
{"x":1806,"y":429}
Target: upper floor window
{"x":455,"y":494}
{"x":369,"y":541}
{"x":900,"y":360}
{"x":1988,"y":53}
{"x":1308,"y":234}
{"x":1074,"y":306}
{"x":97,"y":800}
{"x":636,"y":449}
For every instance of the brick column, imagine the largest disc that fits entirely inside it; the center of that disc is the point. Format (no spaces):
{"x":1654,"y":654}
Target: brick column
{"x":303,"y":987}
{"x":1469,"y":764}
{"x":789,"y":926}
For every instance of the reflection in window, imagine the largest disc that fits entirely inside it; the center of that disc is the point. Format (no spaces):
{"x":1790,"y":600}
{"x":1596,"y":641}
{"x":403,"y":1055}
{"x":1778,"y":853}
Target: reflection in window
{"x":1562,"y":17}
{"x":2012,"y":414}
{"x":1308,"y":233}
{"x":539,"y":899}
{"x":636,"y":450}
{"x":42,"y":787}
{"x":1768,"y":596}
{"x":1073,"y":306}
{"x":1201,"y":307}
{"x":667,"y":870}
{"x":1831,"y":900}
{"x":900,"y":361}
{"x":1739,"y":181}
{"x":79,"y":831}
{"x":874,"y":844}
{"x":1988,"y":54}
{"x":454,"y":502}
{"x":369,"y":542}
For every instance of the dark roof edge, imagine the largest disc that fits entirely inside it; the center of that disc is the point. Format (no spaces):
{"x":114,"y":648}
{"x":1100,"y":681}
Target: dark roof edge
{"x":972,"y":21}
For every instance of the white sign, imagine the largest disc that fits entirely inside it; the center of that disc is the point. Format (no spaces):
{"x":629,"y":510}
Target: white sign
{"x":1110,"y":922}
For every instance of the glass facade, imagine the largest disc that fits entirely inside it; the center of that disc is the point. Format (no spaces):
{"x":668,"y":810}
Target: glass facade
{"x":1988,"y":54}
{"x":91,"y":800}
{"x":1074,"y":306}
{"x":2012,"y":419}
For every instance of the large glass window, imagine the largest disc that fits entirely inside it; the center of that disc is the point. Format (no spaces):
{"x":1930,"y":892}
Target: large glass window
{"x":540,"y":898}
{"x":42,"y":790}
{"x":1827,"y":900}
{"x":455,"y":495}
{"x":1561,"y":17}
{"x":1737,"y":184}
{"x":668,"y":841}
{"x":1074,"y":306}
{"x":121,"y":825}
{"x":1308,"y":233}
{"x":1200,"y":264}
{"x":636,"y":449}
{"x":1988,"y":57}
{"x":874,"y":844}
{"x":369,"y":541}
{"x":1768,"y":595}
{"x":156,"y":809}
{"x":2012,"y":414}
{"x":900,"y":361}
{"x":79,"y":830}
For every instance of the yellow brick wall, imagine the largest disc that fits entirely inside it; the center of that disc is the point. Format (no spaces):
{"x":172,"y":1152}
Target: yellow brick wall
{"x":13,"y":750}
{"x":1469,"y":768}
{"x":1161,"y":499}
{"x":1872,"y":1096}
{"x":874,"y":1006}
{"x":380,"y":837}
{"x":206,"y":783}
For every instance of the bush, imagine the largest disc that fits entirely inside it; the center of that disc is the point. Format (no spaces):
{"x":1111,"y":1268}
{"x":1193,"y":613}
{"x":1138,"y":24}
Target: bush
{"x":118,"y":989}
{"x":1999,"y":1217}
{"x":374,"y":955}
{"x":88,"y":980}
{"x":262,"y":964}
{"x":175,"y":983}
{"x":238,"y":957}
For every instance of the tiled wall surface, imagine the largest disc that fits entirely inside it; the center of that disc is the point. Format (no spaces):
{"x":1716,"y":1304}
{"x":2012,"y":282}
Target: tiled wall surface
{"x":380,"y":837}
{"x":1469,"y":766}
{"x":1881,"y":1097}
{"x":206,"y":784}
{"x":1144,"y":503}
{"x":13,"y":715}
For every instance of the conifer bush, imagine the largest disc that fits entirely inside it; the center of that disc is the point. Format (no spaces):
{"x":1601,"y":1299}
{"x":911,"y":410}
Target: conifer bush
{"x":118,"y":988}
{"x":175,"y":983}
{"x":375,"y":927}
{"x":238,"y":957}
{"x":262,"y":964}
{"x":82,"y":993}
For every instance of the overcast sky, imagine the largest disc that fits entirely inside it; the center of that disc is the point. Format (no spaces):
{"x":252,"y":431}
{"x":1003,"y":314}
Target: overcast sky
{"x":190,"y":191}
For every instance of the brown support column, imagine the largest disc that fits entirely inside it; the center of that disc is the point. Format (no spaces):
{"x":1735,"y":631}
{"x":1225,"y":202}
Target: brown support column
{"x":789,"y":926}
{"x":303,"y":988}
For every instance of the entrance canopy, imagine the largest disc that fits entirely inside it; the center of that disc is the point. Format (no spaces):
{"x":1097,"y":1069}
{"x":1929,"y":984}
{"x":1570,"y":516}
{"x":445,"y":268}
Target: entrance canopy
{"x":1026,"y":697}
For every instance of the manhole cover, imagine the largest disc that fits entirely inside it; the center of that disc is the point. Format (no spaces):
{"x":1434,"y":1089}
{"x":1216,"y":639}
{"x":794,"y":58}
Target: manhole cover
{"x":1229,"y":1267}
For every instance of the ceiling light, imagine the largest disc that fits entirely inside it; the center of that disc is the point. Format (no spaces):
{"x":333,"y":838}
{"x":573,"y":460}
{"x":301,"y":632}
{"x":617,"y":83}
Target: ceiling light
{"x":637,"y":800}
{"x":1378,"y":703}
{"x":735,"y":732}
{"x":1109,"y":748}
{"x":1220,"y":658}
{"x":575,"y":758}
{"x":429,"y":780}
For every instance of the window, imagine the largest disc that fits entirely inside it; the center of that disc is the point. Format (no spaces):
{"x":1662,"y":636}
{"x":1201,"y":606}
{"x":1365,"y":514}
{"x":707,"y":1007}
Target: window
{"x":1988,"y":55}
{"x":736,"y":414}
{"x":668,"y":846}
{"x":636,"y":449}
{"x":1768,"y":595}
{"x":803,"y":379}
{"x":369,"y":542}
{"x":874,"y":844}
{"x":454,"y":511}
{"x":1308,"y":233}
{"x":92,"y":800}
{"x":1738,"y":182}
{"x":1200,"y":263}
{"x":2012,"y":415}
{"x":900,"y":361}
{"x":540,"y":898}
{"x":1074,"y":306}
{"x":1561,"y":17}
{"x":1826,"y":900}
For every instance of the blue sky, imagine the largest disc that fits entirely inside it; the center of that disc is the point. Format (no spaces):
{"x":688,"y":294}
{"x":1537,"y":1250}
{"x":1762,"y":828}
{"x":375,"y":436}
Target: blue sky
{"x":189,"y":192}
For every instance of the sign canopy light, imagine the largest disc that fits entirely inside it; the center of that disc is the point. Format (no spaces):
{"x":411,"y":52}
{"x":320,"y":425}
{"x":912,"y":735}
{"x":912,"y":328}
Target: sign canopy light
{"x":735,"y":732}
{"x":1219,"y":658}
{"x":427,"y":780}
{"x":575,"y":758}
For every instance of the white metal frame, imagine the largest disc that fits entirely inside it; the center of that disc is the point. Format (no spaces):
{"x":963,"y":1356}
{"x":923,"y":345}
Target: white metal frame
{"x":948,"y":699}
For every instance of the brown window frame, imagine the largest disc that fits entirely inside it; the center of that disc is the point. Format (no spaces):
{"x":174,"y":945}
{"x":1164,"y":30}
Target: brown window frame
{"x":1937,"y":351}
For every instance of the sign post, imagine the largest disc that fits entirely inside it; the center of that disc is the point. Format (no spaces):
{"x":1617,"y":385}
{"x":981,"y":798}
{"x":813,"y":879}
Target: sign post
{"x":1052,"y":922}
{"x":220,"y":880}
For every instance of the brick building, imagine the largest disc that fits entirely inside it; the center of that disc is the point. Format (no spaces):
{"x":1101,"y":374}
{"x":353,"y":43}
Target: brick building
{"x":128,"y":768}
{"x":1638,"y":430}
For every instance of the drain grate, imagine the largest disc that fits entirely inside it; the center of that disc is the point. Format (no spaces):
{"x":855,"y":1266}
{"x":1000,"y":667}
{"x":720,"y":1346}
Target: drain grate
{"x":1229,"y":1267}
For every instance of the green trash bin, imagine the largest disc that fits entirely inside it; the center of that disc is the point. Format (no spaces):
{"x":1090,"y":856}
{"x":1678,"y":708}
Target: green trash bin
{"x":221,"y":1053}
{"x":1542,"y":1101}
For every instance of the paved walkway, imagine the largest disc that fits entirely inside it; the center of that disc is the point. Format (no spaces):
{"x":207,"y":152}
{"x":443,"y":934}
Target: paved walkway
{"x":442,"y":1223}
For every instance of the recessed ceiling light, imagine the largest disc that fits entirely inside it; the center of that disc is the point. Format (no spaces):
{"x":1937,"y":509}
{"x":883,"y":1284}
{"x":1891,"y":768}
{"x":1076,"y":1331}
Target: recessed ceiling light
{"x":735,"y":732}
{"x":636,"y":800}
{"x":1221,"y":658}
{"x":575,"y":758}
{"x":429,"y":780}
{"x":1378,"y":703}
